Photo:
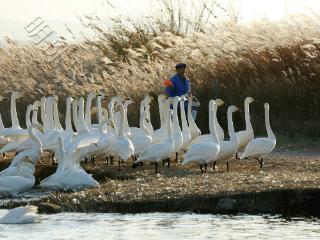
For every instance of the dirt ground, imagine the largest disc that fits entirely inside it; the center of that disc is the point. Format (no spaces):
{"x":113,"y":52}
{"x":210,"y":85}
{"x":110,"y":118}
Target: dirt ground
{"x":285,"y":168}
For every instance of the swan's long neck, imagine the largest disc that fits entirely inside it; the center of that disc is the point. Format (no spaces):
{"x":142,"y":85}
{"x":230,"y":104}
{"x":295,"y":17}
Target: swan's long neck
{"x":126,"y":123}
{"x":35,"y":116}
{"x":75,"y":115}
{"x":43,"y":112}
{"x":168,"y":122}
{"x":231,"y":131}
{"x":33,"y":136}
{"x":214,"y":131}
{"x":13,"y":109}
{"x":268,"y":127}
{"x":56,"y":118}
{"x":211,"y":119}
{"x":175,"y":115}
{"x":61,"y":155}
{"x":162,"y":120}
{"x":28,"y":113}
{"x":247,"y":116}
{"x":68,"y":116}
{"x":122,"y":123}
{"x":49,"y":113}
{"x":190,"y":118}
{"x":82,"y":123}
{"x":99,"y":112}
{"x":1,"y":123}
{"x":88,"y":111}
{"x":183,"y":117}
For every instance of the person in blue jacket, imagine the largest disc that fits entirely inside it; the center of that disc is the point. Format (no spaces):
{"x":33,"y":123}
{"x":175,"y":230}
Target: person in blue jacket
{"x":180,"y":83}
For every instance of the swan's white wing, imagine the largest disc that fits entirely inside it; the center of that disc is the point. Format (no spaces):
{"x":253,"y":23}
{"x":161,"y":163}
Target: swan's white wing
{"x":258,"y":147}
{"x":156,"y":152}
{"x":202,"y":152}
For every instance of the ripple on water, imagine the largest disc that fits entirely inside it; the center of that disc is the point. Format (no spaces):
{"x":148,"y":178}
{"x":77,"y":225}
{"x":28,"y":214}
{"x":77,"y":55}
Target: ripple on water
{"x":163,"y":226}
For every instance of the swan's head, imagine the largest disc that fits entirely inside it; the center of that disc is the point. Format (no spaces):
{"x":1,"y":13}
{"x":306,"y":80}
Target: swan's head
{"x":29,"y":160}
{"x":266,"y":106}
{"x":233,"y":109}
{"x":75,"y":102}
{"x":16,"y":95}
{"x":128,"y":101}
{"x":91,"y":95}
{"x":249,"y":100}
{"x":56,"y":98}
{"x":117,"y":99}
{"x":36,"y":105}
{"x":37,"y":126}
{"x":162,"y":97}
{"x":69,"y":100}
{"x":219,"y":102}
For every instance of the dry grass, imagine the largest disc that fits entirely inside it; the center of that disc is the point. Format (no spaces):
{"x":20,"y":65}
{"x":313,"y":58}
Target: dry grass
{"x":274,"y":62}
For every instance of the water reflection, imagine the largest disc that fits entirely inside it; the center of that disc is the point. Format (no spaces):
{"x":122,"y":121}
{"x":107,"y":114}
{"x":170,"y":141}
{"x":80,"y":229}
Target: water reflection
{"x":163,"y":226}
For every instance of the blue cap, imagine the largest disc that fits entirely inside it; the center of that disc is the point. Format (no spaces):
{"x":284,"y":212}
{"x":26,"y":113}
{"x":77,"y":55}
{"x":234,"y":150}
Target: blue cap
{"x":181,"y":65}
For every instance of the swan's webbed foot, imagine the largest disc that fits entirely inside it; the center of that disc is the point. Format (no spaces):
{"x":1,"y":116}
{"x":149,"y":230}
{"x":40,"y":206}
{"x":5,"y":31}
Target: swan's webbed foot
{"x":177,"y":155}
{"x":156,"y":167}
{"x":227,"y":166}
{"x":168,"y":161}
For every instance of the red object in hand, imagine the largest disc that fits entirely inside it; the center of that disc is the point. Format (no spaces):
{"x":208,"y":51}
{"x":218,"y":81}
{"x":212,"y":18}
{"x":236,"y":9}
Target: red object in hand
{"x":167,"y":83}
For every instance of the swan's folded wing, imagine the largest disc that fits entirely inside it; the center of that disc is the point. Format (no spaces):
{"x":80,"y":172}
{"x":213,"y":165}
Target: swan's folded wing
{"x":156,"y":152}
{"x":258,"y":147}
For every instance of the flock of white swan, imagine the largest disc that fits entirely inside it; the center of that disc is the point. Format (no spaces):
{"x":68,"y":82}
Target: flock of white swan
{"x":113,"y":137}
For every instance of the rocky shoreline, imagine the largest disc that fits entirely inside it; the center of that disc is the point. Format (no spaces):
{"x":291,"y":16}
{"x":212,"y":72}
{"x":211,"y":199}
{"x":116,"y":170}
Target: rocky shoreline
{"x":288,"y":184}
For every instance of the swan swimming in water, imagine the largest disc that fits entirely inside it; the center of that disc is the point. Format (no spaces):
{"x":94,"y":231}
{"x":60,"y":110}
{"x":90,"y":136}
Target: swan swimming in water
{"x":20,"y":215}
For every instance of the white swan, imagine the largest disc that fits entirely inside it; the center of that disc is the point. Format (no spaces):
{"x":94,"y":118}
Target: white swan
{"x":20,"y":215}
{"x":24,"y":181}
{"x":258,"y":148}
{"x":122,"y":146}
{"x":204,"y":152}
{"x":228,"y":149}
{"x":157,"y":152}
{"x":68,"y":175}
{"x":245,"y":136}
{"x":15,"y":132}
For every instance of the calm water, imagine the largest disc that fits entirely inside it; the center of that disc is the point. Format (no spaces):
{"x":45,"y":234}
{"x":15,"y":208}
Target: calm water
{"x":162,"y":226}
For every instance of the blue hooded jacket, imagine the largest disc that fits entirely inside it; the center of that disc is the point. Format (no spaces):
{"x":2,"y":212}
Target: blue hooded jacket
{"x":180,"y":86}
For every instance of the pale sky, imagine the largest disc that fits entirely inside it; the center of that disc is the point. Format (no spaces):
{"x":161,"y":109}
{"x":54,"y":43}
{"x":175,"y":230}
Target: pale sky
{"x":15,"y":14}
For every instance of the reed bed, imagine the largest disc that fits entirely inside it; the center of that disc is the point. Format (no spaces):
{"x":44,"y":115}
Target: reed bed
{"x":275,"y":62}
